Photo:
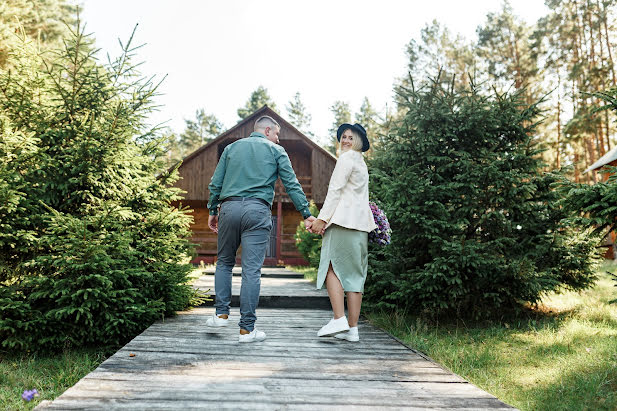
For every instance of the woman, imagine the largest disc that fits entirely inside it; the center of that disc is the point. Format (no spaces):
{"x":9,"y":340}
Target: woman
{"x":345,"y":221}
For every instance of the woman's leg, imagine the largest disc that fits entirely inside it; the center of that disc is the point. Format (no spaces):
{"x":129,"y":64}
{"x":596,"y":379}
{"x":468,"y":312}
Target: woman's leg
{"x":354,"y":302}
{"x":335,"y":292}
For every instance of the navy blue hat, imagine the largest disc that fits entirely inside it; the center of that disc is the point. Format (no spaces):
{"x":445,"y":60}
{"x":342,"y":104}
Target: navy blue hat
{"x":358,"y":129}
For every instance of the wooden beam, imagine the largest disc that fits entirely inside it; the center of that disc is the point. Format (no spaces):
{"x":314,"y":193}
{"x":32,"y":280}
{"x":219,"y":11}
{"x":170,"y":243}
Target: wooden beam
{"x":279,"y":227}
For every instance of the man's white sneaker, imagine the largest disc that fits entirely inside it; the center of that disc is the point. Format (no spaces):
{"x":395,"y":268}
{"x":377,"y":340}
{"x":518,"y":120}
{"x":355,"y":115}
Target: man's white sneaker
{"x":253,"y":336}
{"x":351,"y":335}
{"x":334,"y":327}
{"x":216,"y":321}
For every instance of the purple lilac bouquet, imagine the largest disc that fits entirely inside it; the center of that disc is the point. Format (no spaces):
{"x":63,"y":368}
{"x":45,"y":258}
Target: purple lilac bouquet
{"x":380,"y":235}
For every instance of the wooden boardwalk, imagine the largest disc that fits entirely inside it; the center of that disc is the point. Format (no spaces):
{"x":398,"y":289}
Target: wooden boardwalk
{"x":280,"y":288}
{"x":177,"y":364}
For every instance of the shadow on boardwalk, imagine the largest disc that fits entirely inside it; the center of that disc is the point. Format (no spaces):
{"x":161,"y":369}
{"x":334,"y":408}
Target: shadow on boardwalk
{"x":176,"y":365}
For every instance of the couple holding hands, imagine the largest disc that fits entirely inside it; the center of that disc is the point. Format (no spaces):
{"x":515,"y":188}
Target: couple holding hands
{"x":241,"y":195}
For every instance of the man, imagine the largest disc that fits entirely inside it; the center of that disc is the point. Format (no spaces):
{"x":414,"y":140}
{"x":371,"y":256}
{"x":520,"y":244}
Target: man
{"x":243,"y":185}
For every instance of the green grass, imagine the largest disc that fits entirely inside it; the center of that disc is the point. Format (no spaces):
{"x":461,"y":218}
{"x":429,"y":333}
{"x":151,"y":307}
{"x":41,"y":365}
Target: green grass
{"x":50,"y":374}
{"x":561,"y":356}
{"x":310,"y":273}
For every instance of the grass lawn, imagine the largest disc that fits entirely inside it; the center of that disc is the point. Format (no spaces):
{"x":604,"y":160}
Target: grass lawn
{"x":561,"y":356}
{"x":49,"y":374}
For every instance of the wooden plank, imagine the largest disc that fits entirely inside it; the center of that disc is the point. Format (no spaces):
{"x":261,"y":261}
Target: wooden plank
{"x":282,"y":384}
{"x":157,"y":360}
{"x":270,"y":286}
{"x":239,"y":395}
{"x":177,"y":364}
{"x":80,"y":403}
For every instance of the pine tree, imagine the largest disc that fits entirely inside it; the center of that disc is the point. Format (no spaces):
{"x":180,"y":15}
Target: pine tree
{"x":298,"y":116}
{"x":200,"y":131}
{"x":18,"y":158}
{"x":506,"y":50}
{"x":101,"y":253}
{"x":439,"y":51}
{"x":575,"y":41}
{"x":44,"y":20}
{"x":594,"y":205}
{"x":369,"y":119}
{"x":342,"y":114}
{"x":257,"y":100}
{"x":476,"y":226}
{"x":173,"y":150}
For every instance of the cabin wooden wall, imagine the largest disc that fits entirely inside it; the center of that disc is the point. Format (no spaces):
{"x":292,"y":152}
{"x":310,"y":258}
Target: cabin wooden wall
{"x":321,"y":171}
{"x":206,"y":240}
{"x":291,"y":219}
{"x":202,"y":235}
{"x":196,"y":174}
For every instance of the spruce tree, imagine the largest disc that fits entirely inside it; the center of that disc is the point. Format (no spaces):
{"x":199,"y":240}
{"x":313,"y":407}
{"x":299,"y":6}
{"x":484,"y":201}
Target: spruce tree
{"x":298,"y":116}
{"x":200,"y":131}
{"x":342,"y":114}
{"x":369,"y":118}
{"x":257,"y":100}
{"x":594,"y":206}
{"x":101,"y":253}
{"x":44,"y":20}
{"x":476,"y":226}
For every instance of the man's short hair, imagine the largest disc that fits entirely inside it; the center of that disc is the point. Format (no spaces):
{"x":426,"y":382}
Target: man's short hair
{"x":265,"y":121}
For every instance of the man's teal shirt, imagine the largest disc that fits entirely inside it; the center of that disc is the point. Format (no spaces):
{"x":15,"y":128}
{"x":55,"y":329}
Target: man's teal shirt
{"x":249,"y":168}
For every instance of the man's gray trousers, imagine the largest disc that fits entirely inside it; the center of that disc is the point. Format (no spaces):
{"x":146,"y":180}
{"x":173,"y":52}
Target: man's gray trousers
{"x":245,"y":222}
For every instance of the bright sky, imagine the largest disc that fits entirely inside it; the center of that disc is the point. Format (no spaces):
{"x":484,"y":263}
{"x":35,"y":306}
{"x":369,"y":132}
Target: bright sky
{"x":215,"y":53}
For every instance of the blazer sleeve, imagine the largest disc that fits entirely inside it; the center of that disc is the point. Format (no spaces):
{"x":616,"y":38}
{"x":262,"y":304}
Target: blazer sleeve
{"x":340,"y":176}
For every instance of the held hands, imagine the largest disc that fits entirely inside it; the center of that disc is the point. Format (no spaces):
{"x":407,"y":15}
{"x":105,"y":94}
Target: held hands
{"x":308,"y":223}
{"x":213,"y":223}
{"x":317,"y":227}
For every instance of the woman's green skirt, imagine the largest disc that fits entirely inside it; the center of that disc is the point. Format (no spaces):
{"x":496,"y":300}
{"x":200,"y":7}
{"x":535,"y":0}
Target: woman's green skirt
{"x":346,"y":250}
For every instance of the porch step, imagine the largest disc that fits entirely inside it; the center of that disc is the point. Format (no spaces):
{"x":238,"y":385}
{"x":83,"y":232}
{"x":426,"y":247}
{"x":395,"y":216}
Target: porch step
{"x":265,"y":272}
{"x":280,"y":288}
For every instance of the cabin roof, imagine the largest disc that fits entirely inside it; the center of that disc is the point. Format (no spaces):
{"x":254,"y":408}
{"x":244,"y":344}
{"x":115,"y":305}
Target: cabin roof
{"x":607,"y":158}
{"x":263,"y":111}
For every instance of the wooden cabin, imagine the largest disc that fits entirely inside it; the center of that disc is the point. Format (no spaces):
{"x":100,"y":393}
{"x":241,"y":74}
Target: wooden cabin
{"x":608,"y":159}
{"x":313,"y":167}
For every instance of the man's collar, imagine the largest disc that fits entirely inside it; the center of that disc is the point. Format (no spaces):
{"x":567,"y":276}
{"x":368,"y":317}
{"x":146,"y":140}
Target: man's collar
{"x":256,"y":134}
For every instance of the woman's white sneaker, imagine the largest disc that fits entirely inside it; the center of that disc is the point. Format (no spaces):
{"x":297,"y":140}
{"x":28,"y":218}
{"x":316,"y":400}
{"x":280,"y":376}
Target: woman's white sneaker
{"x":334,"y":327}
{"x":351,"y":335}
{"x":253,"y":336}
{"x":216,"y":321}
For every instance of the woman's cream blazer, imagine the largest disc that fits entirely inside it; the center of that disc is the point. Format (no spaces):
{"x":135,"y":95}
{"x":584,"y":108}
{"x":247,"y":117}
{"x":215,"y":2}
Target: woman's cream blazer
{"x":347,"y":199}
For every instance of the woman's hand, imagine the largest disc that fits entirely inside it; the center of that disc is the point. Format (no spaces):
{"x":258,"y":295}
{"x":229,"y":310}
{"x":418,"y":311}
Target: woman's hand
{"x":318,"y":227}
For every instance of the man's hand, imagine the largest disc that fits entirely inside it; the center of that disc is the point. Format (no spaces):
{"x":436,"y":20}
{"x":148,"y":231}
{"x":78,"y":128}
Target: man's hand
{"x":213,"y":223}
{"x":318,"y":227}
{"x":308,"y":223}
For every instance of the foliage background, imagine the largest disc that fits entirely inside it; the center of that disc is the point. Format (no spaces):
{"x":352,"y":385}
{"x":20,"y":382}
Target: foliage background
{"x":476,"y":225}
{"x":91,"y":249}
